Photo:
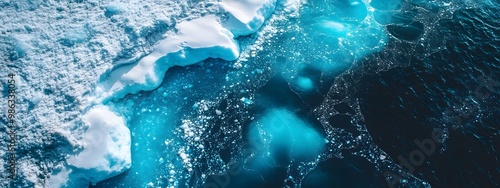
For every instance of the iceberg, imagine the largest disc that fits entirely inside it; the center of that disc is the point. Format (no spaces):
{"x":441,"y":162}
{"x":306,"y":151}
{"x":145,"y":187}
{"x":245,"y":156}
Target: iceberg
{"x":280,"y":129}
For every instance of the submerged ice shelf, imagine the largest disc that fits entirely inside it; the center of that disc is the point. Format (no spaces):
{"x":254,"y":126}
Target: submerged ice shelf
{"x":284,"y":135}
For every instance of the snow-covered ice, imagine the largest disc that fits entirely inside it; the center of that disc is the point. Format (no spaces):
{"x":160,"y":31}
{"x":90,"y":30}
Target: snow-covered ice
{"x":195,"y":40}
{"x":106,"y":150}
{"x":106,"y":146}
{"x":247,"y":16}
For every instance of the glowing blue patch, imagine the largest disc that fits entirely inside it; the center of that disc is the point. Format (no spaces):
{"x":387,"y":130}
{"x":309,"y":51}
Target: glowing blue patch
{"x":282,"y":131}
{"x":305,"y":84}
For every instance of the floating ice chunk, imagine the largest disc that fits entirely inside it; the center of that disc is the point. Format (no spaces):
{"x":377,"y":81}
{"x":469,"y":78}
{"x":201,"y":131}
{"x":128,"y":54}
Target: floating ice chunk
{"x":246,"y":101}
{"x":195,"y":41}
{"x":106,"y":150}
{"x":247,"y":16}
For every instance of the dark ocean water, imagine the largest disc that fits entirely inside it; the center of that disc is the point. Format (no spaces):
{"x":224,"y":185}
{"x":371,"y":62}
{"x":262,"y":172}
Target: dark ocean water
{"x":455,"y":89}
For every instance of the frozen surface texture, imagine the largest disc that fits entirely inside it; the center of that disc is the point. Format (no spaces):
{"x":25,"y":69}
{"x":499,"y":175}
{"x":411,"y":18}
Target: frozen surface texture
{"x":105,"y":152}
{"x":106,"y":146}
{"x":195,"y":40}
{"x":282,"y":131}
{"x":247,"y":16}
